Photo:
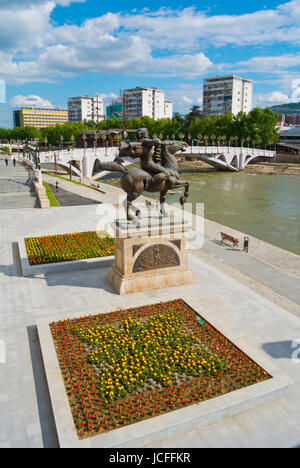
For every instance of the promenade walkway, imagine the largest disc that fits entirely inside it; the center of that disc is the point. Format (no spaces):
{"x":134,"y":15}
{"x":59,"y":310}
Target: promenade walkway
{"x":16,"y":190}
{"x":267,"y":269}
{"x":67,"y":198}
{"x":26,"y":419}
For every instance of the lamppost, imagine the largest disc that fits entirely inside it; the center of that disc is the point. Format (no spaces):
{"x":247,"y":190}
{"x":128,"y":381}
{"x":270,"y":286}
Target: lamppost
{"x":105,"y":143}
{"x":95,"y":143}
{"x":205,"y":141}
{"x":72,"y":140}
{"x":84,"y":161}
{"x":18,"y":143}
{"x":61,"y":142}
{"x":161,"y":136}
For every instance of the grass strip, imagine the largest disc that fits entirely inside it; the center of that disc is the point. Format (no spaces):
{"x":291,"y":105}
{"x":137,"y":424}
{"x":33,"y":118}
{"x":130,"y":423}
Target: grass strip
{"x":51,"y":197}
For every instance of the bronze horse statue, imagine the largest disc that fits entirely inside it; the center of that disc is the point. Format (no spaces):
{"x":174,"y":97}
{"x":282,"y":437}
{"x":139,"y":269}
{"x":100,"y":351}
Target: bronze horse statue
{"x":136,"y":181}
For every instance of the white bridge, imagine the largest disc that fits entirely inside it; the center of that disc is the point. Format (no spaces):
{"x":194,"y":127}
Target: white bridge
{"x":82,"y":162}
{"x":227,"y":158}
{"x":85,"y":162}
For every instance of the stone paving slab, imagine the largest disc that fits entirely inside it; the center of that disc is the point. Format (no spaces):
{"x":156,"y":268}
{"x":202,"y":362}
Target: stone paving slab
{"x":16,"y":190}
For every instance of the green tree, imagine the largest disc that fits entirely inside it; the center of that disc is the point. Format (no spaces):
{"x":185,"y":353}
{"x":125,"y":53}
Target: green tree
{"x":194,"y":113}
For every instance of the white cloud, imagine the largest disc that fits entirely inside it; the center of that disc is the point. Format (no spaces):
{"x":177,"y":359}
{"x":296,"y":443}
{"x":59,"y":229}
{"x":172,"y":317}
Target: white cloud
{"x":276,"y":97}
{"x":296,"y":90}
{"x":188,"y":28}
{"x":280,"y":97}
{"x":186,"y":95}
{"x":24,"y":27}
{"x":181,"y":65}
{"x":269,"y":64}
{"x":119,"y":43}
{"x":30,"y":101}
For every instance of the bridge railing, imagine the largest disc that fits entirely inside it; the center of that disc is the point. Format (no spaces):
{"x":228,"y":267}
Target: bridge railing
{"x":228,"y":149}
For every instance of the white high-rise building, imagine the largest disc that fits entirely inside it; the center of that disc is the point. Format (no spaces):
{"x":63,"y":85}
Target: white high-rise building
{"x":168,"y":110}
{"x":140,"y":101}
{"x":86,"y":108}
{"x":223,"y":94}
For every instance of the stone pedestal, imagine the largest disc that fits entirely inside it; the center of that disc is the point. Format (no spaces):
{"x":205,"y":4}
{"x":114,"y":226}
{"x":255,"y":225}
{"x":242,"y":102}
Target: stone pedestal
{"x":150,"y":255}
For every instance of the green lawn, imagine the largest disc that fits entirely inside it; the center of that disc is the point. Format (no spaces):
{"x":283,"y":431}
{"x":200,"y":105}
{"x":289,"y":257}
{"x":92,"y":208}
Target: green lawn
{"x":51,"y":197}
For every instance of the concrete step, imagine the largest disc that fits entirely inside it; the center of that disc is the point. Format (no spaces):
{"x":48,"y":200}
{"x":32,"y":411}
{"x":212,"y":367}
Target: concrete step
{"x":8,"y":202}
{"x":16,"y":188}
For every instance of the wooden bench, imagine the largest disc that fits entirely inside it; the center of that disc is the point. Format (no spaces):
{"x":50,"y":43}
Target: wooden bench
{"x":227,"y":237}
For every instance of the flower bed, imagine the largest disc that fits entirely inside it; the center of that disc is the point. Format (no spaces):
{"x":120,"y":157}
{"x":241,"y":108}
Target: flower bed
{"x":127,"y":366}
{"x":69,"y":247}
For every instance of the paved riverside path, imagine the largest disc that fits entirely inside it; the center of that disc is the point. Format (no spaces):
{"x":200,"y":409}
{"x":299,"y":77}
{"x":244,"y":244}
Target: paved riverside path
{"x":25,"y":409}
{"x":67,"y":198}
{"x":109,"y":194}
{"x":16,"y":190}
{"x":284,"y":284}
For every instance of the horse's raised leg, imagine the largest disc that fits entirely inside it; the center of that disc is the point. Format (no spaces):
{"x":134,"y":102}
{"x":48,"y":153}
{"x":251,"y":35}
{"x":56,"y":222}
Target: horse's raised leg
{"x":186,"y":193}
{"x":162,"y":203}
{"x":131,"y":214}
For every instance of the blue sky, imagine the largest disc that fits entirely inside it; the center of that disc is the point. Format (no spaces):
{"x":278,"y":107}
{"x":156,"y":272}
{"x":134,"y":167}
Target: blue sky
{"x":54,"y":49}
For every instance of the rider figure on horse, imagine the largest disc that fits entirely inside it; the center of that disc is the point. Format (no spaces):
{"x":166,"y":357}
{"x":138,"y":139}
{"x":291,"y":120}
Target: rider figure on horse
{"x":150,"y":156}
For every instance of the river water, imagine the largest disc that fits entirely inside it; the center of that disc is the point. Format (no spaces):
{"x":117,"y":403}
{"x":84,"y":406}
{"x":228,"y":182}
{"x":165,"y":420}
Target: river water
{"x":263,"y":206}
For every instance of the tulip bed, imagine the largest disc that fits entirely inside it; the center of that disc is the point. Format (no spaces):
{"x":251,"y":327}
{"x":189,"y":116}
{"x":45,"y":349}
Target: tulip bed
{"x":67,"y":247}
{"x":130,"y":365}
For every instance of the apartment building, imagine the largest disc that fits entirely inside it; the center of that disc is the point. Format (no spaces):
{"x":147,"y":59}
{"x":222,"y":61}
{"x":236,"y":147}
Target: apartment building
{"x":223,"y":94}
{"x":292,"y":119}
{"x":142,"y":101}
{"x":40,"y":118}
{"x":86,"y":108}
{"x":168,"y":110}
{"x":115,"y":109}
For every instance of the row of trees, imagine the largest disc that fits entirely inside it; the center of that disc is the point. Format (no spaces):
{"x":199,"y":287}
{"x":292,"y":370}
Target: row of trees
{"x":258,"y":126}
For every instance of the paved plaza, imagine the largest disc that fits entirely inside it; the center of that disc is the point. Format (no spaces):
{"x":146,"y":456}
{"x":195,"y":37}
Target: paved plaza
{"x":26,"y":418}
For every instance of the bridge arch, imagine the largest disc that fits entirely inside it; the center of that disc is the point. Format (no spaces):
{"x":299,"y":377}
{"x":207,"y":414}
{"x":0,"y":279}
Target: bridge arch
{"x":66,"y":166}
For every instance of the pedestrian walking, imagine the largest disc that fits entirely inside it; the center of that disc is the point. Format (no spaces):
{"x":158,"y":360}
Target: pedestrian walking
{"x":14,"y":162}
{"x":6,"y":161}
{"x":57,"y":185}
